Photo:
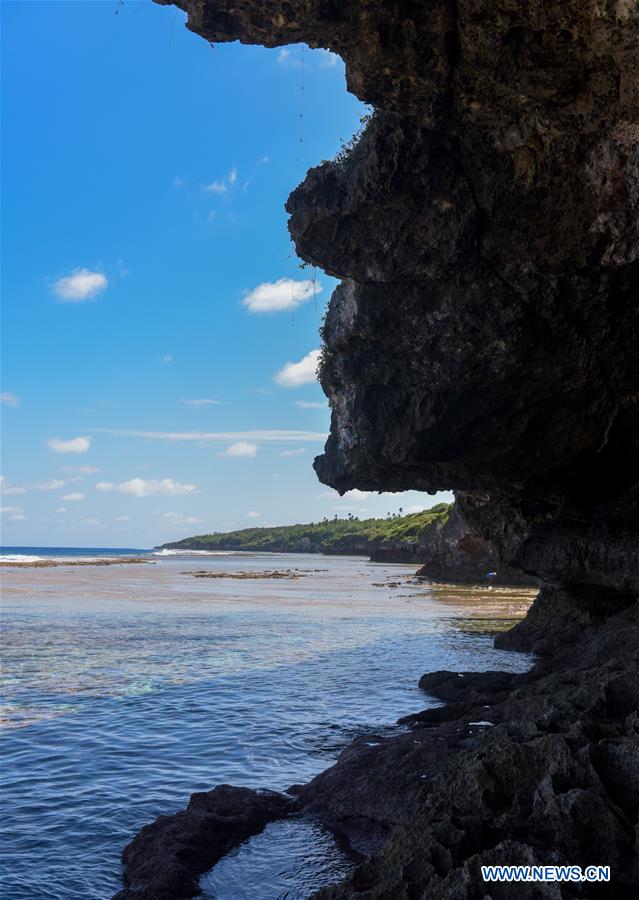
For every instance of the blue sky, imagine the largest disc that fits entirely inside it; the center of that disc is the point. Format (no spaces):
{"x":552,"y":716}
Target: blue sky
{"x":158,"y":331}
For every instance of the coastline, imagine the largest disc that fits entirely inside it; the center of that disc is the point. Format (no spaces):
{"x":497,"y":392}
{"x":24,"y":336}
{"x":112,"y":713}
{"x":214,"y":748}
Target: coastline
{"x":472,"y":782}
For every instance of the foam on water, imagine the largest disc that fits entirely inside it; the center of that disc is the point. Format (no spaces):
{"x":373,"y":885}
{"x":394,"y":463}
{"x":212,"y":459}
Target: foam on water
{"x":21,"y":557}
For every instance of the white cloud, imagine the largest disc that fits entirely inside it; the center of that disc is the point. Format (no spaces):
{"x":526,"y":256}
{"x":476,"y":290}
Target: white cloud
{"x":60,"y":509}
{"x":80,"y":285}
{"x":81,"y":470}
{"x":12,"y":489}
{"x":221,"y":185}
{"x":167,"y":358}
{"x":178,"y":181}
{"x":52,"y":485}
{"x":72,"y":497}
{"x":179,"y":519}
{"x":283,"y":294}
{"x":259,"y":436}
{"x":74,"y":445}
{"x":242,"y":449}
{"x":407,"y":510}
{"x":308,"y":404}
{"x":204,"y":401}
{"x":10,"y":399}
{"x":355,"y":496}
{"x":303,"y":372}
{"x":251,"y":514}
{"x":283,"y":56}
{"x":215,"y":187}
{"x":11,"y":510}
{"x":91,"y":520}
{"x":297,"y":452}
{"x":139,"y":487}
{"x":123,"y":518}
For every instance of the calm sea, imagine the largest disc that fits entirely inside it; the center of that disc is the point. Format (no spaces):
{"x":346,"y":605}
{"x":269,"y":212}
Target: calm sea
{"x":127,"y":687}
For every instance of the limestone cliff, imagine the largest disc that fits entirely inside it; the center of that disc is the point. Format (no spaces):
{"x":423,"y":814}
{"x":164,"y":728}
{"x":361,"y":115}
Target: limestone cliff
{"x":486,"y":229}
{"x":485,"y":338}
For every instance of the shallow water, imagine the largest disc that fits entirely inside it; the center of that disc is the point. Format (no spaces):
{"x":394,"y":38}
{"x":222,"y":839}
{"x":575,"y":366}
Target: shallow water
{"x":126,"y":688}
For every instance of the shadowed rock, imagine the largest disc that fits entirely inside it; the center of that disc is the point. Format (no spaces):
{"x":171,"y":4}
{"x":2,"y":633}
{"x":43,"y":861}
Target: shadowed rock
{"x":485,"y":338}
{"x":166,"y":858}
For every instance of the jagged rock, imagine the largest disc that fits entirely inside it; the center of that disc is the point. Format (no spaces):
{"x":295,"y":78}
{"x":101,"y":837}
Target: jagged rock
{"x":165,"y":859}
{"x":452,"y":551}
{"x":533,"y":769}
{"x":486,"y":229}
{"x":484,"y":338}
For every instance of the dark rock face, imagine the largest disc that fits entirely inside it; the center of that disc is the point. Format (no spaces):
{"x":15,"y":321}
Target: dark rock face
{"x":534,"y":769}
{"x":454,"y":552}
{"x":485,"y":338}
{"x":164,"y":861}
{"x":486,"y":227}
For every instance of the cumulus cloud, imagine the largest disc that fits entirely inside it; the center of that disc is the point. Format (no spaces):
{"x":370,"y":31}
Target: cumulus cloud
{"x":297,"y":452}
{"x":242,"y":449}
{"x":203,"y":401}
{"x":167,"y":358}
{"x":251,"y":514}
{"x":293,"y":375}
{"x":308,"y":404}
{"x":283,"y":294}
{"x":123,"y":518}
{"x":74,"y":445}
{"x":139,"y":487}
{"x":80,"y":285}
{"x":72,"y":497}
{"x":355,"y":495}
{"x":9,"y":399}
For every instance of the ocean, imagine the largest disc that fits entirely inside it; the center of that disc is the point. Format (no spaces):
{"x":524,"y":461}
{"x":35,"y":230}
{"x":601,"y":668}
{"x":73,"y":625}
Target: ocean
{"x":126,"y":687}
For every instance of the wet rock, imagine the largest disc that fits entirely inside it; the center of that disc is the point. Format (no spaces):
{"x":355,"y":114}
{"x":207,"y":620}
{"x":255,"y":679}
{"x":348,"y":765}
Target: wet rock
{"x":553,"y":781}
{"x":166,"y":858}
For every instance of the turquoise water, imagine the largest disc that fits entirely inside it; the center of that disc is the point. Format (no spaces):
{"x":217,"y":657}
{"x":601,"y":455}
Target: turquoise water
{"x":128,"y":687}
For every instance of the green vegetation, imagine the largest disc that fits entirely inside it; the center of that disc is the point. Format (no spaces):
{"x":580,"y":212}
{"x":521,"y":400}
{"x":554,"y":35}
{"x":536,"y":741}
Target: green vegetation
{"x":349,"y":535}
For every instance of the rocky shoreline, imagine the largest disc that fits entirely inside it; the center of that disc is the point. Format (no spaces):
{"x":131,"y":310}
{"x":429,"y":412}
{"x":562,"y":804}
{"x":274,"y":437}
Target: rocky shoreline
{"x":484,"y":337}
{"x":446,"y":549}
{"x":537,"y":768}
